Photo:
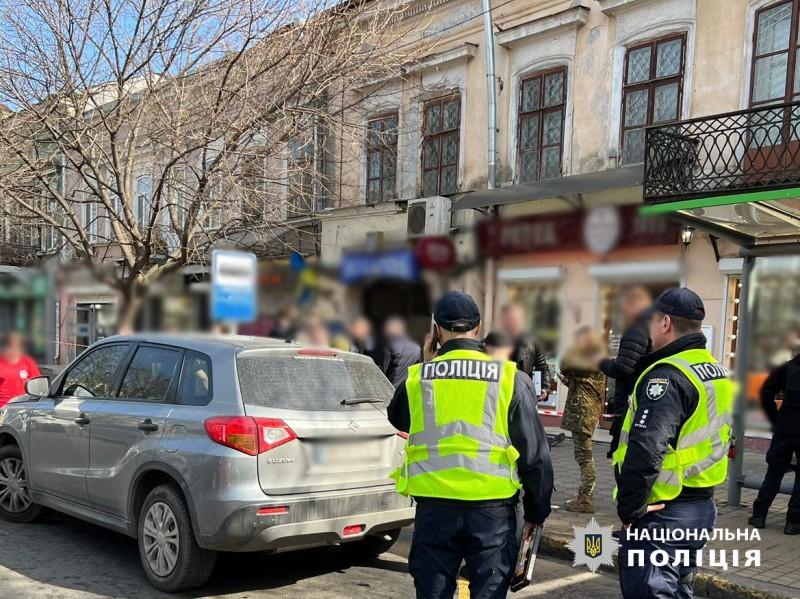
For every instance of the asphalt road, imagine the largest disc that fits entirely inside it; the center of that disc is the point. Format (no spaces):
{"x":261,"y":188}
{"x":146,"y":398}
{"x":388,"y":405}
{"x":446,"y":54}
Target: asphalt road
{"x":64,"y":558}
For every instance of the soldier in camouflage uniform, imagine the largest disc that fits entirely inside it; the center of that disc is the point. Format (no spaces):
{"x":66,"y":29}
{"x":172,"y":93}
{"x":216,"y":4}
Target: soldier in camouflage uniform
{"x":587,"y":388}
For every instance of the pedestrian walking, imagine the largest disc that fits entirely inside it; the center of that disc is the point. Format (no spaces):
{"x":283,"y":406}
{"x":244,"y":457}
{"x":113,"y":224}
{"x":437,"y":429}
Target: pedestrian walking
{"x":16,"y":368}
{"x":586,"y":390}
{"x":474,"y":440}
{"x":673,"y":450}
{"x":783,"y":382}
{"x":526,"y":354}
{"x":633,"y":346}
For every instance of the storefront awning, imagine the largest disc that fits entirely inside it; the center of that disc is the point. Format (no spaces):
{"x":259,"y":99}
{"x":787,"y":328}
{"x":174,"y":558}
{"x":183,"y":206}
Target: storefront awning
{"x":563,"y":187}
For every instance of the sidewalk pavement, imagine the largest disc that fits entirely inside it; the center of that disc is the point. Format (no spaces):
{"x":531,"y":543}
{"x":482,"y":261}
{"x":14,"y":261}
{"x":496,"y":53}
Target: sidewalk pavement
{"x":779,"y":573}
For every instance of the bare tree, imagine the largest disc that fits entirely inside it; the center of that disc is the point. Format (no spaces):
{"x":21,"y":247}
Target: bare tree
{"x":143,"y":132}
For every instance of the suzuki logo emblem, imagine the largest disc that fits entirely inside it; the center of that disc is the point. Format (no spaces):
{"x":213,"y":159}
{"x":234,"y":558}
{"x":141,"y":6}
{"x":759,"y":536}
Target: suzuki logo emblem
{"x":353,"y":425}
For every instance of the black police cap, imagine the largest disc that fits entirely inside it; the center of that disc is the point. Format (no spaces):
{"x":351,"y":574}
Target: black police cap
{"x":681,"y":302}
{"x":457,"y":312}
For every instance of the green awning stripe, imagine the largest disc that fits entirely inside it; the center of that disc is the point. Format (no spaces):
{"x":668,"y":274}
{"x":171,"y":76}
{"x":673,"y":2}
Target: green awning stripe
{"x":739,"y":198}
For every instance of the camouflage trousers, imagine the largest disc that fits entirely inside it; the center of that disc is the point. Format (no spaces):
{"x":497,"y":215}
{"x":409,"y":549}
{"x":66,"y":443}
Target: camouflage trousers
{"x":582,"y":445}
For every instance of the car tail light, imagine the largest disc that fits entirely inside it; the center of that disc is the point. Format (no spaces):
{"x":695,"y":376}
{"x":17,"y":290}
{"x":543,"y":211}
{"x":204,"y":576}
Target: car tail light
{"x":249,"y":435}
{"x":353,"y":529}
{"x":273,"y":511}
{"x":273,"y":433}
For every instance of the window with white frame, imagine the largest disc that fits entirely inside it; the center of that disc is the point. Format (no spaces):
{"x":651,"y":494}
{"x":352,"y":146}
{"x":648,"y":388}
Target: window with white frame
{"x":90,"y":219}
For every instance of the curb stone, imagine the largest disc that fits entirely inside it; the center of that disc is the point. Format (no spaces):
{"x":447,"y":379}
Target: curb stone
{"x":706,"y":584}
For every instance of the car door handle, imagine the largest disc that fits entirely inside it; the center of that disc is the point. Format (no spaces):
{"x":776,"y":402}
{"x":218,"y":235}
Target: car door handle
{"x":148,"y":426}
{"x":82,"y":420}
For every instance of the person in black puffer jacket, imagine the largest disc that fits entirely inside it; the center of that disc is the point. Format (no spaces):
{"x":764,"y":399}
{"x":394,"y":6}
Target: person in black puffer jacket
{"x":634,"y":345}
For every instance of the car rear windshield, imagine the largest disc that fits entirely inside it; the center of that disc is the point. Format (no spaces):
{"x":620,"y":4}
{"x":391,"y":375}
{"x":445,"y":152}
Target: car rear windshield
{"x":311,"y":383}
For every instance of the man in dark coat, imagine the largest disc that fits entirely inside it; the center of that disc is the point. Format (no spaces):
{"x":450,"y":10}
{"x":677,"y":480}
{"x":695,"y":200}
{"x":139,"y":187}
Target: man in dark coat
{"x":526,"y":353}
{"x":400,"y":351}
{"x":633,"y":346}
{"x":783,"y":381}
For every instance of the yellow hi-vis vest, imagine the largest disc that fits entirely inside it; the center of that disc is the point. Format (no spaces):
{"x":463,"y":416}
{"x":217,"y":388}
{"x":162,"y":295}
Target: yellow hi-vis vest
{"x":700,"y":457}
{"x":458,"y":445}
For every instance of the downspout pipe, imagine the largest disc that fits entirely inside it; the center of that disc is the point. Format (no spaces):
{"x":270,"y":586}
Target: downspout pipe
{"x":491,"y":178}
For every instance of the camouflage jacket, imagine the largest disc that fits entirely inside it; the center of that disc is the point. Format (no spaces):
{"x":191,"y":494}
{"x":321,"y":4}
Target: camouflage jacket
{"x":587,"y":391}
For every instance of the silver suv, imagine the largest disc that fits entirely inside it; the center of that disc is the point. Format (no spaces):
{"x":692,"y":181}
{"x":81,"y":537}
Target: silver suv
{"x":195,"y":445}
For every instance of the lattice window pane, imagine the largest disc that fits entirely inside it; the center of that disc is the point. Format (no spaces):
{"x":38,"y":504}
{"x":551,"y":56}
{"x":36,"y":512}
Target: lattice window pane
{"x":554,"y":89}
{"x":639,"y":65}
{"x":633,"y":150}
{"x":529,"y":132}
{"x":531,"y":92}
{"x":665,"y":103}
{"x":433,"y":118}
{"x":528,"y":167}
{"x":389,"y":165}
{"x":636,"y":108}
{"x":551,"y":128}
{"x":374,"y":169}
{"x":769,"y":81}
{"x":451,"y":115}
{"x":551,"y":162}
{"x":450,"y":150}
{"x":374,"y":190}
{"x":448,"y":180}
{"x":431,"y":153}
{"x":375,"y":132}
{"x":388,"y":189}
{"x":668,"y":58}
{"x":430,"y":183}
{"x":773,"y":29}
{"x":390,"y":131}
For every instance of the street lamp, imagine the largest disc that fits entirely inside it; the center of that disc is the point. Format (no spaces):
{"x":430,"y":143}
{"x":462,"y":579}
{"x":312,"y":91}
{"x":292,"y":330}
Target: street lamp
{"x":687,"y":234}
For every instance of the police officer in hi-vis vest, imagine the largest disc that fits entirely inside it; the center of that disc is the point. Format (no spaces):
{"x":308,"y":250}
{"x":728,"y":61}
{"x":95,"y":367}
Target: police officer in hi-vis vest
{"x":475,"y":440}
{"x":672,"y":452}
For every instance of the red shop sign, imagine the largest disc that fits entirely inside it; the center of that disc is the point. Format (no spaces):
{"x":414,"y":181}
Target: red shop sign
{"x":436,"y":253}
{"x":600,"y":230}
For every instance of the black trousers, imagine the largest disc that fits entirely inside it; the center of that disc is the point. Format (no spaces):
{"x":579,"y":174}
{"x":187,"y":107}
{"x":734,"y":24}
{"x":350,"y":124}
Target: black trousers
{"x":486,"y":537}
{"x":779,"y":458}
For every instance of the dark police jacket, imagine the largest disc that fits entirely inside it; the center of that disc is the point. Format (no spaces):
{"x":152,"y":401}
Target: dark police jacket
{"x":625,"y":369}
{"x":527,"y":436}
{"x":784,"y":379}
{"x":661,"y":420}
{"x":399,"y":354}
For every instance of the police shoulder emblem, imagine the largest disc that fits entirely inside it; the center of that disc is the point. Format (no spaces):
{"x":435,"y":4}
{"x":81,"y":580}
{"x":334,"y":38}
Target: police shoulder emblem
{"x":656,"y":388}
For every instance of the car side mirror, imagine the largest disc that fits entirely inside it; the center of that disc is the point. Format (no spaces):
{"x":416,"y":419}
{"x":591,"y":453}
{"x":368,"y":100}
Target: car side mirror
{"x":38,"y":387}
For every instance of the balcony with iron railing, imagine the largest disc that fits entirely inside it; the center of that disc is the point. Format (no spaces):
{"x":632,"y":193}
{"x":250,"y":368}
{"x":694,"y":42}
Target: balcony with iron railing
{"x":744,"y":152}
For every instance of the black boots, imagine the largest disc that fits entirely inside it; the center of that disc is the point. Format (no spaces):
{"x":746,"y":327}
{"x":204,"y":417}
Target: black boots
{"x":791,"y":529}
{"x":757,"y":521}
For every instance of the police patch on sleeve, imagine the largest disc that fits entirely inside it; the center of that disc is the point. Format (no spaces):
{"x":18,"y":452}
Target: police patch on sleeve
{"x":656,"y":388}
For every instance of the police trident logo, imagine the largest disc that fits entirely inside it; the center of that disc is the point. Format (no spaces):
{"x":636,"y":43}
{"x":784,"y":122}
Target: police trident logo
{"x":593,"y":546}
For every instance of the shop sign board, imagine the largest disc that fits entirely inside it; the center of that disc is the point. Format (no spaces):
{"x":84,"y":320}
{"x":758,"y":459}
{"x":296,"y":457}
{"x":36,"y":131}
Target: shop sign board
{"x":233,"y":286}
{"x":436,"y":253}
{"x":399,"y":264}
{"x":599,"y":230}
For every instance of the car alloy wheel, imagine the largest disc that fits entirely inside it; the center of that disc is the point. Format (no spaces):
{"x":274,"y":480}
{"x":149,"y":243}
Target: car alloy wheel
{"x":14,"y":495}
{"x":161,"y":539}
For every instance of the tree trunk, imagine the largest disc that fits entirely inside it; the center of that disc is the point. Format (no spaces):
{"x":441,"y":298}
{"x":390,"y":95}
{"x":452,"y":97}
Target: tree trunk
{"x":131,"y":301}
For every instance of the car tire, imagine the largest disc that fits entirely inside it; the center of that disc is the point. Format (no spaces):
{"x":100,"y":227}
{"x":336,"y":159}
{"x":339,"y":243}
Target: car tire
{"x":372,"y":546}
{"x":16,"y":504}
{"x":170,"y":555}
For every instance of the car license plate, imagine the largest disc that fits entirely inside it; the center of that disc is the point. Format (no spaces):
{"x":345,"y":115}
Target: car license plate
{"x":347,"y":452}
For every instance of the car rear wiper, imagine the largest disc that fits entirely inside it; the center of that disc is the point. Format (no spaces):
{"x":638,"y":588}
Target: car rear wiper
{"x":353,"y":402}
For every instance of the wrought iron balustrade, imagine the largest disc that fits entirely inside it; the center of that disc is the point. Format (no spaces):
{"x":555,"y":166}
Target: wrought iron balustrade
{"x":738,"y":152}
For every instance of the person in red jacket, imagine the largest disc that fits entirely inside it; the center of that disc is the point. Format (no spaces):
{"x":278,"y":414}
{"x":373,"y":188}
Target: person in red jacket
{"x":15,"y":367}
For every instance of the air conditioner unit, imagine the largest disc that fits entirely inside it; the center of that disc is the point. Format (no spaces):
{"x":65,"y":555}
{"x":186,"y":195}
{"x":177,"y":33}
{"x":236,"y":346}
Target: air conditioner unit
{"x":428,"y":216}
